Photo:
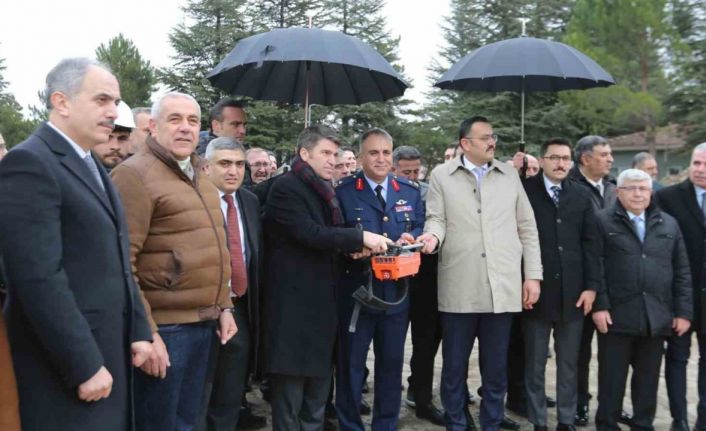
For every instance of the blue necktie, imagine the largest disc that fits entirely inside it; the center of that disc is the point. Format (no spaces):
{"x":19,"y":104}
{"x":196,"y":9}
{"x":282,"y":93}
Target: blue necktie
{"x":639,"y":227}
{"x":555,"y":194}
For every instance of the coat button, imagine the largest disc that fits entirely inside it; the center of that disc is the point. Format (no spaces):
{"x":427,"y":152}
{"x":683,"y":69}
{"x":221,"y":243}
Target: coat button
{"x":385,"y":218}
{"x":644,"y":256}
{"x":558,"y":220}
{"x":479,"y":211}
{"x":557,"y":276}
{"x":482,"y":255}
{"x":560,"y":248}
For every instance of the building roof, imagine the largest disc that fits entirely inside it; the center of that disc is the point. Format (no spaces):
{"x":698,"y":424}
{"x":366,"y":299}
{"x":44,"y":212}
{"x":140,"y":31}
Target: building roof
{"x":670,"y":138}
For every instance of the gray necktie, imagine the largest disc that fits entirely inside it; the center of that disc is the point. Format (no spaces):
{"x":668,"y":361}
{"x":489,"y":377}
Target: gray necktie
{"x":480,"y":173}
{"x":639,"y":228}
{"x":94,"y":170}
{"x":703,"y":205}
{"x":599,"y":186}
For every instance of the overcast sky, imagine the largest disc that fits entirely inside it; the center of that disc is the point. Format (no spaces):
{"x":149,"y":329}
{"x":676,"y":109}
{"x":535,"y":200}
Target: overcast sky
{"x":36,"y":34}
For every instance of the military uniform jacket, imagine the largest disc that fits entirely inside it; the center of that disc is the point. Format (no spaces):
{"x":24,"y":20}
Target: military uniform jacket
{"x":403,"y":212}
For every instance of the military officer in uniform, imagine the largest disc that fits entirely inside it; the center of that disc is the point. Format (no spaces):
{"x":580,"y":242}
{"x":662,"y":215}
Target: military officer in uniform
{"x":377,"y":201}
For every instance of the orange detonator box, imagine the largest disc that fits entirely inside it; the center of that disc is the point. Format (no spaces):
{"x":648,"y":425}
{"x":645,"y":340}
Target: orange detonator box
{"x":398,"y":262}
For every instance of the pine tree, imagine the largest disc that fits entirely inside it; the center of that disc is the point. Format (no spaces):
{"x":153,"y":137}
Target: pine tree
{"x":627,"y":39}
{"x":364,"y":19}
{"x":475,"y":23}
{"x":13,"y":126}
{"x":135,"y":74}
{"x":685,"y":104}
{"x":209,"y":32}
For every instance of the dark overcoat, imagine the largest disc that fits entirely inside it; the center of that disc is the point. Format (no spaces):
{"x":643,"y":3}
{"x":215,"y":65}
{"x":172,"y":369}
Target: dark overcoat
{"x":646,"y":285}
{"x":565,"y":246}
{"x":72,"y":302}
{"x":679,"y":201}
{"x":302,"y":250}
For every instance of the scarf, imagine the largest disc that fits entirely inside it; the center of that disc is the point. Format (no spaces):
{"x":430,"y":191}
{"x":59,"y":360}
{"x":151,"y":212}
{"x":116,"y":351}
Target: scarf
{"x":324,"y":189}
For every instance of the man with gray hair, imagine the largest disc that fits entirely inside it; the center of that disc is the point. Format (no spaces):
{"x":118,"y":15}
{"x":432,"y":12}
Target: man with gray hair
{"x":225,"y":167}
{"x":74,"y":317}
{"x":643,"y":295}
{"x":686,"y":202}
{"x":593,"y":160}
{"x":141,"y":117}
{"x":181,"y":261}
{"x":645,"y":161}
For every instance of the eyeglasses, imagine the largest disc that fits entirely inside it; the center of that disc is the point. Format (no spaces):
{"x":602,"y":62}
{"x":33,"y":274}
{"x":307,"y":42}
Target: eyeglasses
{"x":555,"y":158}
{"x":633,"y":189}
{"x":259,"y":165}
{"x":485,"y":138}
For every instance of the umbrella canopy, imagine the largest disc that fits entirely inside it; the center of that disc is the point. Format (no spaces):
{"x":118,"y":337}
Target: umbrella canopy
{"x":525,"y":64}
{"x":307,"y":66}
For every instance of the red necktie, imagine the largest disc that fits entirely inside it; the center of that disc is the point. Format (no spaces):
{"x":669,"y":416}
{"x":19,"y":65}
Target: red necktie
{"x":238,"y":277}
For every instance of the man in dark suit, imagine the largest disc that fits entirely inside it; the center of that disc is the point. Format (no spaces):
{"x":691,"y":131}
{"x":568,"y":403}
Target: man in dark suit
{"x":685,"y":202}
{"x":643,"y":296}
{"x":241,"y":211}
{"x":593,"y":160}
{"x":304,"y":235}
{"x":74,"y":316}
{"x":563,"y":211}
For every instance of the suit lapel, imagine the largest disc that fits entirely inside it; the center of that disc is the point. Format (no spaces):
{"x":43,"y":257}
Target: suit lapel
{"x":688,"y":196}
{"x":76,"y":166}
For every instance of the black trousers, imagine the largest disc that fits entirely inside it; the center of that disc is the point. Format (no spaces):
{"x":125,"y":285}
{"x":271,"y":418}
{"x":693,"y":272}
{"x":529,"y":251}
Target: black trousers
{"x":426,"y":329}
{"x":516,"y":395}
{"x":230,"y":374}
{"x":616,"y":353}
{"x":298,"y":403}
{"x":584,"y":363}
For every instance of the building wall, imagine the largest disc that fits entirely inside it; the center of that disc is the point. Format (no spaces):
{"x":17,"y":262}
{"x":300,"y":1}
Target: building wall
{"x":669,"y":162}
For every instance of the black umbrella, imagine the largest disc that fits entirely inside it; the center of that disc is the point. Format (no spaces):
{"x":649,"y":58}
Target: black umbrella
{"x":524,"y":64}
{"x":307,"y":66}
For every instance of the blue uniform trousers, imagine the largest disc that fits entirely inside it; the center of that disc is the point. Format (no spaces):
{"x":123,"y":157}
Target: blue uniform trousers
{"x":388,"y":333}
{"x":459,"y":332}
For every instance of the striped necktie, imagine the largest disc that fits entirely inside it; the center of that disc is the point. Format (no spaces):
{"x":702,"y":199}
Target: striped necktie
{"x":238,"y":276}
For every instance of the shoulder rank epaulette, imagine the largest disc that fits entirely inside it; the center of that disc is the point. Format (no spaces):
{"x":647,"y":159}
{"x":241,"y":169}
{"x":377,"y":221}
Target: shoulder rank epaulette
{"x":395,"y":185}
{"x":359,"y":184}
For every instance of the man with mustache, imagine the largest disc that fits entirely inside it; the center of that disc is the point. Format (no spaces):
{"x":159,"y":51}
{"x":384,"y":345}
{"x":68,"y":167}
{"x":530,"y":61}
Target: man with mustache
{"x":180,"y":259}
{"x":75,"y":321}
{"x":563,"y":211}
{"x":594,"y":159}
{"x":116,"y":149}
{"x":480,"y":221}
{"x":260,"y":165}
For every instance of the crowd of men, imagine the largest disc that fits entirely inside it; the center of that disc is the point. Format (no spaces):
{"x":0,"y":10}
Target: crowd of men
{"x":156,"y":273}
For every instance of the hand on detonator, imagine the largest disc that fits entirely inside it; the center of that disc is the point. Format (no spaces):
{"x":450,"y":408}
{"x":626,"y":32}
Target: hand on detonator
{"x":405,"y":239}
{"x":430,"y":242}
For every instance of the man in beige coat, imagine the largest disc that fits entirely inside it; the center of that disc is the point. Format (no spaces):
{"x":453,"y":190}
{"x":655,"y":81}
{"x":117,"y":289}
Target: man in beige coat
{"x":481,"y":223}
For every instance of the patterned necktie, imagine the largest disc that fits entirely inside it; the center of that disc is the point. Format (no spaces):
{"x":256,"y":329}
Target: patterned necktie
{"x":238,"y":276}
{"x":91,"y":164}
{"x":555,"y":195}
{"x":378,"y":193}
{"x":639,"y":228}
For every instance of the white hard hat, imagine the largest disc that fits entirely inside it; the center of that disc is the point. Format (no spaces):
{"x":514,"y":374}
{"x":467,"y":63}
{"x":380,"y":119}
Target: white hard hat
{"x":125,"y":118}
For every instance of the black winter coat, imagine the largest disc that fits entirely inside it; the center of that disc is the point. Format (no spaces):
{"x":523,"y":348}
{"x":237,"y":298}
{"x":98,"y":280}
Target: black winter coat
{"x":679,"y":201}
{"x":565,"y":245}
{"x":643,"y":285}
{"x":301,"y":277}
